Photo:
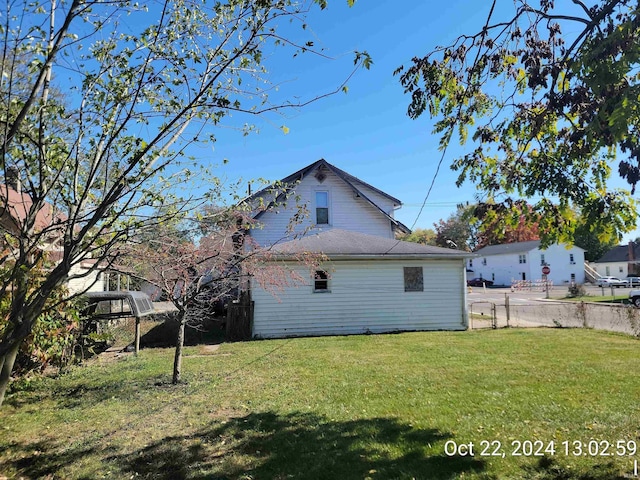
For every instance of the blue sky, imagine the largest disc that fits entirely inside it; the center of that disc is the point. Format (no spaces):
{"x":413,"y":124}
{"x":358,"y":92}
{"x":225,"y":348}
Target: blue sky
{"x":366,"y":131}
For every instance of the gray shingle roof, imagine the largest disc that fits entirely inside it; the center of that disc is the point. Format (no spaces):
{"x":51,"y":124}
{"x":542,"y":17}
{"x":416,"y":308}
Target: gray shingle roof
{"x":337,"y":242}
{"x":517,"y":247}
{"x":620,"y":253}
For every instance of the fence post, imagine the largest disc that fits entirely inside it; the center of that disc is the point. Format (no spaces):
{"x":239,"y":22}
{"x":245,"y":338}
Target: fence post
{"x":137,"y":340}
{"x":506,"y":304}
{"x":494,"y":320}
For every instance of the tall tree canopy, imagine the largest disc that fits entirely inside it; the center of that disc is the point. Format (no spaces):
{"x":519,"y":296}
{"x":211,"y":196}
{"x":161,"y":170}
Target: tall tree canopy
{"x":545,"y":98}
{"x":136,"y":83}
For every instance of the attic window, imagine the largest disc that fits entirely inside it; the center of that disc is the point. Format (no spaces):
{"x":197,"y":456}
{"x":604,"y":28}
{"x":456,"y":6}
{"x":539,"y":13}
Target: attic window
{"x":413,"y":279}
{"x":322,"y":208}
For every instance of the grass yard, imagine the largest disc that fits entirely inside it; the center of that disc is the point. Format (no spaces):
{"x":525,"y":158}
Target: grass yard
{"x":380,"y":406}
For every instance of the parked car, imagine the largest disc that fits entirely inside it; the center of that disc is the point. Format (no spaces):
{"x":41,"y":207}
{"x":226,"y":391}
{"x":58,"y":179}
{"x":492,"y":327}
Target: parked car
{"x":479,"y":282}
{"x":610,"y":282}
{"x":633,"y":281}
{"x":634,"y":296}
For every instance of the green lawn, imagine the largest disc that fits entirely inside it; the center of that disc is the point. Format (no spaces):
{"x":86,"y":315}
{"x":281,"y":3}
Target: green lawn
{"x":379,"y":406}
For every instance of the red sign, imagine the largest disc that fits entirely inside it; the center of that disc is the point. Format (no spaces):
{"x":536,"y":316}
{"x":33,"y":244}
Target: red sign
{"x":546,"y":270}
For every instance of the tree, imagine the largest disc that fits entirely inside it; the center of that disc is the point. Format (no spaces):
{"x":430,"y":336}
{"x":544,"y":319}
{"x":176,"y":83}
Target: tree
{"x":594,"y":247}
{"x":521,"y":225}
{"x":195,"y":274}
{"x":90,"y":165}
{"x":426,"y":236}
{"x":545,"y":99}
{"x":459,"y":231}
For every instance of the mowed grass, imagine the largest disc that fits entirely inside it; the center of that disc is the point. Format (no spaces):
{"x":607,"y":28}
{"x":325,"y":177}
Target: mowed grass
{"x":380,"y":406}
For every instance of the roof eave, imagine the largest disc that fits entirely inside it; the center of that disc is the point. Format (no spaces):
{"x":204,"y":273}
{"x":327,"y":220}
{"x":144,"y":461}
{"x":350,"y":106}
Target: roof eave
{"x":381,"y":256}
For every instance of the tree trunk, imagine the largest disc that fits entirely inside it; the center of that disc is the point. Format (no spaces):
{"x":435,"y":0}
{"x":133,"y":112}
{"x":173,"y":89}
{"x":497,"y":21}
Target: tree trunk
{"x":177,"y":360}
{"x":6,"y":366}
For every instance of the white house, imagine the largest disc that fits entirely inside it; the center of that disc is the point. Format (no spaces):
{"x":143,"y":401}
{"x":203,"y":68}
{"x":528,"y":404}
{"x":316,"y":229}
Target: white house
{"x":620,"y":261}
{"x":371,"y":281}
{"x":506,"y":263}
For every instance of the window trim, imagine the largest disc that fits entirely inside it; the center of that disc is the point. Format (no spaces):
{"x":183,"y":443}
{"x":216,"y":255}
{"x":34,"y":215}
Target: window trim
{"x":325,"y":280}
{"x":316,"y":207}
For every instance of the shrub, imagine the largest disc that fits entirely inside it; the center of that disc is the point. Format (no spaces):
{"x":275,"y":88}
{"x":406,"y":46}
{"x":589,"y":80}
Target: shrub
{"x":576,"y":290}
{"x":53,"y":339}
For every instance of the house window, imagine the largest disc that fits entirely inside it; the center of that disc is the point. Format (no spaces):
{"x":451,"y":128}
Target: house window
{"x":322,"y":208}
{"x":413,"y":280}
{"x":571,"y":260}
{"x":573,"y":277}
{"x":484,"y":261}
{"x":321,"y":281}
{"x":493,"y":277}
{"x":522,"y":258}
{"x":620,"y":269}
{"x":542,"y":262}
{"x":471,"y":263}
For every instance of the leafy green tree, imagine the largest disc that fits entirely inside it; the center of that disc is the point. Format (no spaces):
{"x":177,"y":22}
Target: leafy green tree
{"x":545,"y":99}
{"x":426,"y":236}
{"x":140,"y":83}
{"x":594,"y":246}
{"x":459,"y":231}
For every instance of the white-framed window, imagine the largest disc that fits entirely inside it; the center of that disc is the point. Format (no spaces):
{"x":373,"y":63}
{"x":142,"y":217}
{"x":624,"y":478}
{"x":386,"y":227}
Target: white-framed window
{"x":522,"y":258}
{"x":484,"y":261}
{"x":542,"y":261}
{"x":571,"y":259}
{"x":573,"y":277}
{"x":621,"y":270}
{"x":322,"y":208}
{"x":413,"y":279}
{"x":321,"y":282}
{"x":471,"y":263}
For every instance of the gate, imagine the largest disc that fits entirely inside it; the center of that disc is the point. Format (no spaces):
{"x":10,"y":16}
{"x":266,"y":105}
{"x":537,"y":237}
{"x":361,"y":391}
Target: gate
{"x":482,"y":312}
{"x":240,"y":319}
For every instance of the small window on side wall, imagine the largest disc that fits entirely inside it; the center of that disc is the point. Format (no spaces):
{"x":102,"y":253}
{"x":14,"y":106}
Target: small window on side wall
{"x":320,"y":281}
{"x":413,"y":279}
{"x":322,"y":208}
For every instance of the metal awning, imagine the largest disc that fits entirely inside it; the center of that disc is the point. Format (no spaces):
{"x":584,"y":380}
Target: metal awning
{"x":119,"y":304}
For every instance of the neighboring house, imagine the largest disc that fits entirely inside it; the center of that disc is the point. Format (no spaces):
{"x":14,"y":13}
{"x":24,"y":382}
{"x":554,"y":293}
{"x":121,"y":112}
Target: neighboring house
{"x":371,"y":281}
{"x":510,"y":262}
{"x":14,"y":208}
{"x":620,"y":261}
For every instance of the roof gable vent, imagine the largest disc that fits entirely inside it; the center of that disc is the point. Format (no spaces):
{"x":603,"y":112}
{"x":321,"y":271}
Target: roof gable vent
{"x":320,"y":175}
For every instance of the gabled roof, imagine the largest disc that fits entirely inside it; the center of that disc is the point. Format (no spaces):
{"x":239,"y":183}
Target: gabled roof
{"x":16,"y":205}
{"x":336,"y":243}
{"x":506,"y":248}
{"x":289,"y":184}
{"x":620,"y":253}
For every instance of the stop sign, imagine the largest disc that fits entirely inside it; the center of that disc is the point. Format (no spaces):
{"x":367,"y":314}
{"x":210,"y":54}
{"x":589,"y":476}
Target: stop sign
{"x":546,"y":270}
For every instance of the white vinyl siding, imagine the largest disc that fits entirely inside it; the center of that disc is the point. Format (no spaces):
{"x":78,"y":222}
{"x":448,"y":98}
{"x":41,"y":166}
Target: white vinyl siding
{"x":92,"y":282}
{"x":366,"y":296}
{"x":347,"y":211}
